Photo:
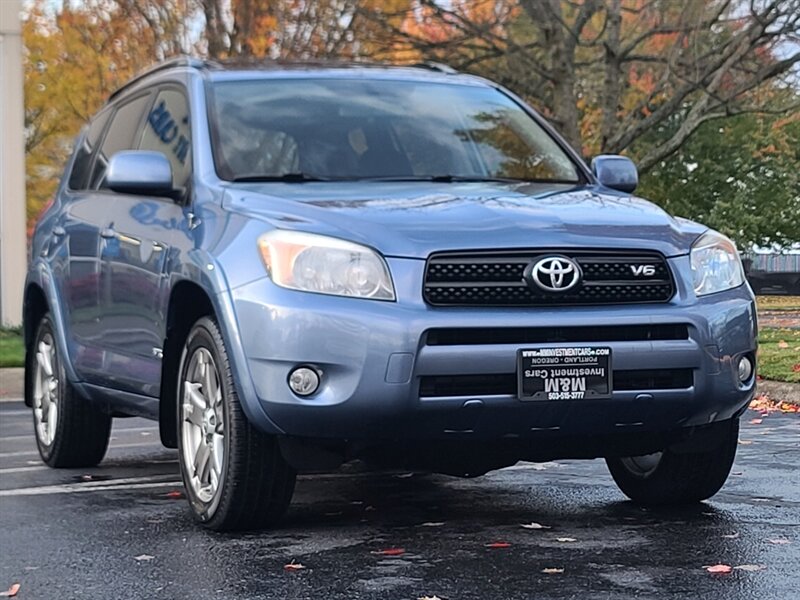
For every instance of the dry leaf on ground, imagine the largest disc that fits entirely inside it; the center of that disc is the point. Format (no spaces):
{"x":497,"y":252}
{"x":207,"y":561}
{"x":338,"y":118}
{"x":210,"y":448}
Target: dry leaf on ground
{"x":11,"y":592}
{"x":534,"y":526}
{"x":719,"y":569}
{"x":143,"y":557}
{"x":293,"y":566}
{"x":552,"y":571}
{"x":390,"y":552}
{"x":498,"y":545}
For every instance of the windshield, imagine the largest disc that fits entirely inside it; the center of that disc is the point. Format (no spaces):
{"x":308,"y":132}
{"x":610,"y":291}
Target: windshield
{"x":321,"y":129}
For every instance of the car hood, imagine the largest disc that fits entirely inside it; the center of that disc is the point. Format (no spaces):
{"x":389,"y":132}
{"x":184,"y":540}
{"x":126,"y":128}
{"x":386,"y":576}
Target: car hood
{"x":412,"y":219}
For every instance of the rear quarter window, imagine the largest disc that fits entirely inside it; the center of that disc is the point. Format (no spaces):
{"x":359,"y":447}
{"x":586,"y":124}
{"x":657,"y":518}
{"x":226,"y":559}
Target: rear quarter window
{"x":82,"y":164}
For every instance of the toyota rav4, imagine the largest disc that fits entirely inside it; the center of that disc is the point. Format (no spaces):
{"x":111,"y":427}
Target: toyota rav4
{"x":293,"y":266}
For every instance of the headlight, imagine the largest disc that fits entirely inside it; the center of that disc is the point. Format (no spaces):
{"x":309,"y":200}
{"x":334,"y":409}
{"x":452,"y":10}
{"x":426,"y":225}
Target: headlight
{"x":315,"y":263}
{"x":716,"y":265}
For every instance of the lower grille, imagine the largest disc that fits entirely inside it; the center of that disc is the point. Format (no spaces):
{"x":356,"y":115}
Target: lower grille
{"x":505,"y":384}
{"x":498,"y":279}
{"x":545,"y":335}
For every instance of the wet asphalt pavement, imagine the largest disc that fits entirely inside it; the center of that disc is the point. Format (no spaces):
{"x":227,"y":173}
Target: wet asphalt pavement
{"x":122,"y":535}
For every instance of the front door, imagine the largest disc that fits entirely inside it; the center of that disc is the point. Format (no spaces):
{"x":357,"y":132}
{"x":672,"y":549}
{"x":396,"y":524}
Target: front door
{"x":147,"y":230}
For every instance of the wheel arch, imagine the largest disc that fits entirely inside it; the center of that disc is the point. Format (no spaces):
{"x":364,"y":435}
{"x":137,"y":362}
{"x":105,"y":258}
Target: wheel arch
{"x":34,"y":307}
{"x":188,"y":302}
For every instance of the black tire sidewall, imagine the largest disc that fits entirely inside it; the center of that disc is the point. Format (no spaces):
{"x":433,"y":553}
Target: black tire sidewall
{"x":201,"y":336}
{"x":669,"y":484}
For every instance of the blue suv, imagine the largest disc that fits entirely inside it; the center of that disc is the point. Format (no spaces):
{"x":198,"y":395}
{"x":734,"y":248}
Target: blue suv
{"x":293,"y":266}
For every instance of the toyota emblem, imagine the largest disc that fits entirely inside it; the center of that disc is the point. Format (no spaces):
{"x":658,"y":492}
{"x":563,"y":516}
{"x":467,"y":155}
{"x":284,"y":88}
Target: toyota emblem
{"x":554,"y":273}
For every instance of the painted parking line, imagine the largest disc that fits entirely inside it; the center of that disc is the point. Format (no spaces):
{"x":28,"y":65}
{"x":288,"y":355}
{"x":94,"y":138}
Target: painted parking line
{"x":131,"y":483}
{"x":153,"y":444}
{"x":115,"y":432}
{"x":15,"y":413}
{"x":10,"y":470}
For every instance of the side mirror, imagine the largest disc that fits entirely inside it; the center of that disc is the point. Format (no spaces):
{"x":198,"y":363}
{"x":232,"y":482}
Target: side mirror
{"x":140,"y":172}
{"x":615,"y":172}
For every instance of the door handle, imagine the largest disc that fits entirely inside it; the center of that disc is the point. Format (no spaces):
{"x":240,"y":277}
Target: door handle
{"x":108,"y":233}
{"x":59,"y":231}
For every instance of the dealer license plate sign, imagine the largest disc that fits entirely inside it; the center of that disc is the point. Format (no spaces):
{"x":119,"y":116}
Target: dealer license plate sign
{"x":567,"y":373}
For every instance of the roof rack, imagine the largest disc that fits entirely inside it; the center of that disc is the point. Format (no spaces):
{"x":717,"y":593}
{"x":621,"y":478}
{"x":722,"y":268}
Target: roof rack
{"x":436,"y":66}
{"x":178,"y":61}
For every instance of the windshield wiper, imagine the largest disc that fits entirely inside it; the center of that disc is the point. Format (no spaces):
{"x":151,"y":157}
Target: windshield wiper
{"x":283,"y":177}
{"x":444,"y":178}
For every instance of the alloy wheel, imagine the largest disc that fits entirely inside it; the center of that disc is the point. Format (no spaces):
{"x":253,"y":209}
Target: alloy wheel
{"x":644,"y":465}
{"x":45,"y":390}
{"x":203,"y":427}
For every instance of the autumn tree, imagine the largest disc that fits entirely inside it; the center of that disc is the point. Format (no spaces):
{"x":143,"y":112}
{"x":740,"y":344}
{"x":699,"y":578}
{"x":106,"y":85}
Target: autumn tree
{"x":608,"y":72}
{"x":290,"y":29}
{"x":739,"y":175}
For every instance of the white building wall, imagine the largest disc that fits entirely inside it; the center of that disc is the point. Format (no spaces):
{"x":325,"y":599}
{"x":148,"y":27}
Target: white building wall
{"x":13,"y":245}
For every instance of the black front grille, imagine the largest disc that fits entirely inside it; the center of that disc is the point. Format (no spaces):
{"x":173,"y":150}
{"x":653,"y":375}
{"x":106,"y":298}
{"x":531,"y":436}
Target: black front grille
{"x":497,"y":279}
{"x":505,"y":384}
{"x":549,"y":335}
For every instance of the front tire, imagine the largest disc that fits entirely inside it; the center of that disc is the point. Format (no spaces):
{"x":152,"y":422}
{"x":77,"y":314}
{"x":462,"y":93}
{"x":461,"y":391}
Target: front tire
{"x":235,"y":476}
{"x":671,"y":478}
{"x":70,"y":431}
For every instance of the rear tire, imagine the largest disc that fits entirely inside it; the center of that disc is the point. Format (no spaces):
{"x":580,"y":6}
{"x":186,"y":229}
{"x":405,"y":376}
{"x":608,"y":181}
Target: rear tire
{"x":671,"y":478}
{"x":235,"y":476}
{"x":70,"y":431}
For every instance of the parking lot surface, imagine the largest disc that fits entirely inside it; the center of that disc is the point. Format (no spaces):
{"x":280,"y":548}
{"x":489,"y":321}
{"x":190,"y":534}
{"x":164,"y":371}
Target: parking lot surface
{"x":118,"y":531}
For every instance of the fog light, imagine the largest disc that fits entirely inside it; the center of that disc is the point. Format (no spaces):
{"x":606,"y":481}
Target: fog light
{"x":304,"y":381}
{"x":745,"y":369}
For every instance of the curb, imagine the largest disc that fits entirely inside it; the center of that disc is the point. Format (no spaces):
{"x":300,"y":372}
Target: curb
{"x":779,"y":390}
{"x":11,"y":384}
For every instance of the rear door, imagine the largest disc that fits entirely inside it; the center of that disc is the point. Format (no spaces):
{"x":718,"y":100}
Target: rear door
{"x":75,"y":255}
{"x":146,"y":229}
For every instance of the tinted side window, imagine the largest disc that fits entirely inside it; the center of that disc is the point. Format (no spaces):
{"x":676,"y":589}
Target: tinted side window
{"x":167,"y":130}
{"x":83,"y":155}
{"x":119,"y":136}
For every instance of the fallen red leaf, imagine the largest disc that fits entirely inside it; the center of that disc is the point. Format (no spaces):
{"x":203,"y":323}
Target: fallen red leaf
{"x":293,"y":566}
{"x":12,"y":591}
{"x":756,"y":421}
{"x":174,"y":494}
{"x":498,"y":545}
{"x":719,"y":569}
{"x":390,"y":552}
{"x":796,"y":368}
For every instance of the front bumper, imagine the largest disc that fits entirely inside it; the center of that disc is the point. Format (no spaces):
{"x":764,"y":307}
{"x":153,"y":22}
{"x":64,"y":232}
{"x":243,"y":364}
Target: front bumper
{"x":375,"y":357}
